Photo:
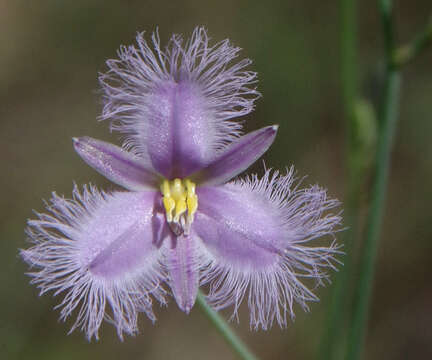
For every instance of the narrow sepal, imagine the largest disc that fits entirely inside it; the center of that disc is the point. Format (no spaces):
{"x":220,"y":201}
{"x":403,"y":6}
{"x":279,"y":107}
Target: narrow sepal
{"x":116,"y":164}
{"x":237,"y":157}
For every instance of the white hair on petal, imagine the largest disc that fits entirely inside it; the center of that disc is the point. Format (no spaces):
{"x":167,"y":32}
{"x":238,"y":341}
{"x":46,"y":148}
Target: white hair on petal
{"x":272,"y":291}
{"x":226,"y":87}
{"x":55,"y":255}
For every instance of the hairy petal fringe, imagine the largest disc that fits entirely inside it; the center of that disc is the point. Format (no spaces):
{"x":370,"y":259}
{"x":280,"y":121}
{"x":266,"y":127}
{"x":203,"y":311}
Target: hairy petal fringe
{"x":108,"y":254}
{"x":272,"y":290}
{"x":57,"y":256}
{"x":224,"y":88}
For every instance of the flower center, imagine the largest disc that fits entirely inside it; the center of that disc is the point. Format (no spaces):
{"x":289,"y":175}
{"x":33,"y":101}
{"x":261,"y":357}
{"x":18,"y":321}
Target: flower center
{"x":181,"y":203}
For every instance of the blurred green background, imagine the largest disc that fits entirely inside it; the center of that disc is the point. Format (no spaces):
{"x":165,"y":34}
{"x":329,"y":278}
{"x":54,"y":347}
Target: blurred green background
{"x":50,"y":53}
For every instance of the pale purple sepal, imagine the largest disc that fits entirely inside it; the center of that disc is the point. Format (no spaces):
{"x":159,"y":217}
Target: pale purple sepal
{"x":237,"y":157}
{"x":183,"y":263}
{"x":116,"y":164}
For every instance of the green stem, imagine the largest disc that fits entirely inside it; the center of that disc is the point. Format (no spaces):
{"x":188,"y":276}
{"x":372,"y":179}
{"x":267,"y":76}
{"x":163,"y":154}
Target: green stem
{"x":367,"y":265}
{"x":337,"y":313}
{"x":388,"y":117}
{"x":221,"y":325}
{"x":407,"y":53}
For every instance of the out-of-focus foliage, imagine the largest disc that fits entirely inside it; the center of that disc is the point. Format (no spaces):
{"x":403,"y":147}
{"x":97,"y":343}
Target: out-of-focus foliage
{"x":51,"y":52}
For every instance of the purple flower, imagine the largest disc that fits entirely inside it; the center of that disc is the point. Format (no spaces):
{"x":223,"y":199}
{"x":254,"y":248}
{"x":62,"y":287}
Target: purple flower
{"x":181,"y":224}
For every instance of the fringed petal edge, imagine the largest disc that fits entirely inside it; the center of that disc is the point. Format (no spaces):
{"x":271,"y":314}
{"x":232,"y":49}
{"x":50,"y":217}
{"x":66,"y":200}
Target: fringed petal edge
{"x":53,"y":259}
{"x":272,"y":292}
{"x":128,"y":84}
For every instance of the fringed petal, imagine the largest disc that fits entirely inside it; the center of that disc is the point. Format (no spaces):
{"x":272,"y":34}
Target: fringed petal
{"x":258,"y":232}
{"x":176,"y":104}
{"x":99,"y":250}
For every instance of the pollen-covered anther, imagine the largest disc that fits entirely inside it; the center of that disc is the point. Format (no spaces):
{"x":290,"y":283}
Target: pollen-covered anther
{"x":180,"y":202}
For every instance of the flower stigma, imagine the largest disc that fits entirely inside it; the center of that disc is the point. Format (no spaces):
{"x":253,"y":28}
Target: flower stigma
{"x":178,"y":198}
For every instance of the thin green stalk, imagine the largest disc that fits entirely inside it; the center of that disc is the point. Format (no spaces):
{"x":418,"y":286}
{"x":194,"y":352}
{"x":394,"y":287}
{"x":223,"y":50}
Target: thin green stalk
{"x":367,"y":265}
{"x":387,"y":121}
{"x":331,"y":338}
{"x":407,"y":53}
{"x":221,"y":325}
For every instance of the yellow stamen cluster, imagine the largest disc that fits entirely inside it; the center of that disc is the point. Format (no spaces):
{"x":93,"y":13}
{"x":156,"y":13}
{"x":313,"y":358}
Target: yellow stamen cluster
{"x":178,"y":197}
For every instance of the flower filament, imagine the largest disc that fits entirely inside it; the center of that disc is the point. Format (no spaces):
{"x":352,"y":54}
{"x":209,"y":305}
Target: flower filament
{"x":180,"y":203}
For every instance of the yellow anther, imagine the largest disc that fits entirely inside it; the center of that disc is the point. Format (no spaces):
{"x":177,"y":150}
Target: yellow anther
{"x":169,"y":205}
{"x":177,"y":189}
{"x":165,"y":188}
{"x":179,"y":209}
{"x":178,"y":197}
{"x":192,"y":200}
{"x":190,"y":186}
{"x":192,"y":205}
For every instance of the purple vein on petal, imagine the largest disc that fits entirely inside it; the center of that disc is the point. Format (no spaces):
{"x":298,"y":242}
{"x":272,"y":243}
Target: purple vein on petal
{"x":237,"y":157}
{"x":116,"y":164}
